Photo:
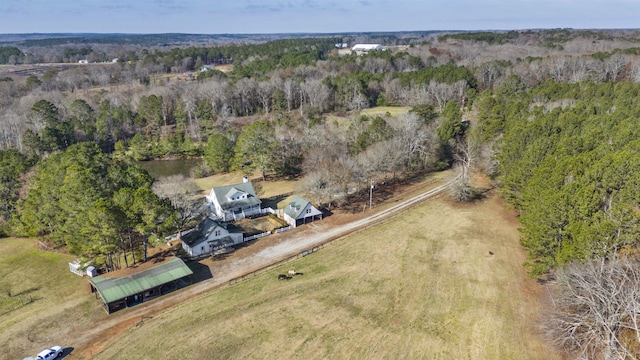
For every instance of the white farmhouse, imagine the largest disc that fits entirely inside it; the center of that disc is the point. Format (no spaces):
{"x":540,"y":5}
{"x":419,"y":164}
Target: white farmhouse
{"x":234,"y":202}
{"x":210,"y":236}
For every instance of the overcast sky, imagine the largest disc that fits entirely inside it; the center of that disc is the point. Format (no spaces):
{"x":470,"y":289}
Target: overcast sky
{"x":319,"y":16}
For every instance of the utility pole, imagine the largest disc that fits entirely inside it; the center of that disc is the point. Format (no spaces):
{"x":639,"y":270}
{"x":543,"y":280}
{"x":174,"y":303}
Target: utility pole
{"x":371,"y":195}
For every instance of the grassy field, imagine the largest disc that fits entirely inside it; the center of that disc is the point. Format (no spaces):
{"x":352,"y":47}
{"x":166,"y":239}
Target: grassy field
{"x":423,"y":285}
{"x":382,"y":110}
{"x":264,"y":189}
{"x":378,"y":110}
{"x":60,"y":300}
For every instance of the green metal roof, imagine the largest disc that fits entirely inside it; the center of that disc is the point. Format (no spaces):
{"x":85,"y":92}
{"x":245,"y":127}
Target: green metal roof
{"x":112,"y":289}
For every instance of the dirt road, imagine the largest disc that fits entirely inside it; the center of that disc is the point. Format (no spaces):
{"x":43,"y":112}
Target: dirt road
{"x":91,"y":341}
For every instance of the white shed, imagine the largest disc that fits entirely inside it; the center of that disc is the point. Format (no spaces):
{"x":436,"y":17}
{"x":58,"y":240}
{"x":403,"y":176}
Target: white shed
{"x":79,"y":268}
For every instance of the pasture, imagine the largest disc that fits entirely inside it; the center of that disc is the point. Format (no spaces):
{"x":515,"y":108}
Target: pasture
{"x":41,"y":301}
{"x":441,"y":281}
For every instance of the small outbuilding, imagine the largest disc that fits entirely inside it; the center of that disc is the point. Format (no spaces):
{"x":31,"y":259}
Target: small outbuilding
{"x":300,"y":211}
{"x":79,"y":268}
{"x":119,"y":292}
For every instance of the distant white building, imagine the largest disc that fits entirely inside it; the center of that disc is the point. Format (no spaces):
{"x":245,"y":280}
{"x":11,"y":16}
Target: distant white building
{"x":83,"y":61}
{"x":366,"y":47}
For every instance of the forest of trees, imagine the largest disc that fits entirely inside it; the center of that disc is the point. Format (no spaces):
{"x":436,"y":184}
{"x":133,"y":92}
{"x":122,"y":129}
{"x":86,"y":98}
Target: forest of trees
{"x":549,"y":115}
{"x":569,"y":159}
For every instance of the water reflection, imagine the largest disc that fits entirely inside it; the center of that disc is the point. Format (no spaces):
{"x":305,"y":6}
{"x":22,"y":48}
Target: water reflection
{"x":162,"y":168}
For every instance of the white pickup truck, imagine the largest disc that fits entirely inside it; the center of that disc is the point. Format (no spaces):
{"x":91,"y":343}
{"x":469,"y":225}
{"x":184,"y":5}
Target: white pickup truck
{"x":49,"y":354}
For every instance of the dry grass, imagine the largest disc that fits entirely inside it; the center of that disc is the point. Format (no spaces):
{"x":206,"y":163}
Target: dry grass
{"x":382,"y":110}
{"x":264,"y":189}
{"x":423,"y":285}
{"x":259,"y":225}
{"x":61,"y":301}
{"x":378,"y":110}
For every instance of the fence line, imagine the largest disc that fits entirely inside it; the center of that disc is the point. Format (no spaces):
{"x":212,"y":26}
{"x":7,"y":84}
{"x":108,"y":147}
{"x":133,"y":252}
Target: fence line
{"x":269,"y":210}
{"x":23,"y":300}
{"x":256,"y":236}
{"x":331,"y":241}
{"x":284,"y":229}
{"x":178,"y":234}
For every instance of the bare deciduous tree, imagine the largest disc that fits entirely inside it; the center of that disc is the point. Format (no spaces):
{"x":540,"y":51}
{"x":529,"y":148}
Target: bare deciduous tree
{"x":557,"y":67}
{"x":635,"y":72}
{"x":414,"y":138}
{"x":315,"y":93}
{"x":376,"y":65}
{"x":464,"y":154}
{"x":577,"y":68}
{"x":180,"y":191}
{"x":289,"y":88}
{"x":489,"y":72}
{"x":265,"y":93}
{"x":613,"y":67}
{"x":596,"y":309}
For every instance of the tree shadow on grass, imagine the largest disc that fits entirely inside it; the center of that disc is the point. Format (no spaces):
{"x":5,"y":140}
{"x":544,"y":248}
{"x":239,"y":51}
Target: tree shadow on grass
{"x":26,"y":292}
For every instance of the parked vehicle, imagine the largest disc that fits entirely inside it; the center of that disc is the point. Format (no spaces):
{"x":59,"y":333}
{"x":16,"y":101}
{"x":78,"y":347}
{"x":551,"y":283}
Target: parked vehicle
{"x":51,"y":353}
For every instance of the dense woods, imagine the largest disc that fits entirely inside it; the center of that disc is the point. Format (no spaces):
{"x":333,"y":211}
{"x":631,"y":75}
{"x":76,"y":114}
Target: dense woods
{"x":95,"y":206}
{"x":569,"y":161}
{"x":549,"y":115}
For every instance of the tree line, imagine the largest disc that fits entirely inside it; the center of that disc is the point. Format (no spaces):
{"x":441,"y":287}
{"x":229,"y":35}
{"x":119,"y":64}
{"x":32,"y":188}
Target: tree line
{"x":96,"y":206}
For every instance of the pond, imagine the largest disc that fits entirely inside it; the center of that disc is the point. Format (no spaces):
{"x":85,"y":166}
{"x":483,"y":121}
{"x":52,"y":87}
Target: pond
{"x":163,"y":168}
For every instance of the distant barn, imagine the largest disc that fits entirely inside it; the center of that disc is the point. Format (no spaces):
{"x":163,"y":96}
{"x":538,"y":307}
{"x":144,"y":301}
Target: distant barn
{"x":366,"y":47}
{"x":129,"y":289}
